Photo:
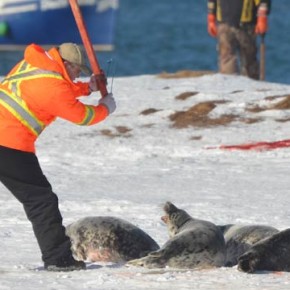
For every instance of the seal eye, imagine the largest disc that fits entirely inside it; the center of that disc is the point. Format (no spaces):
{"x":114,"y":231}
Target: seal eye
{"x":173,"y":216}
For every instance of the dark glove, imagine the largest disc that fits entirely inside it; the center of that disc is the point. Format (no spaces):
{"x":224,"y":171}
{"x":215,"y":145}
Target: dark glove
{"x":95,"y":80}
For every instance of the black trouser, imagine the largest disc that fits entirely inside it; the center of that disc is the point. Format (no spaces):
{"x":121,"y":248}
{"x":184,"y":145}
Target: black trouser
{"x":20,"y":172}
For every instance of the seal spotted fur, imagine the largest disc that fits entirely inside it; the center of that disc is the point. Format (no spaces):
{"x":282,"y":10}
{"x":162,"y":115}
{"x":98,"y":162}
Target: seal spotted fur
{"x":269,"y":254}
{"x":240,"y":238}
{"x":110,"y":239}
{"x":194,"y":243}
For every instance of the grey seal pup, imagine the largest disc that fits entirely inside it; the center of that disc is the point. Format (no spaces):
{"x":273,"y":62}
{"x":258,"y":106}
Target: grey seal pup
{"x":269,"y":254}
{"x":193,"y":243}
{"x":240,"y":238}
{"x":110,"y":239}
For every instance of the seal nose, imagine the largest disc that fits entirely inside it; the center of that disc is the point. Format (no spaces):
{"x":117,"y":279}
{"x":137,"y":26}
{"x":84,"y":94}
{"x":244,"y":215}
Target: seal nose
{"x":165,"y":218}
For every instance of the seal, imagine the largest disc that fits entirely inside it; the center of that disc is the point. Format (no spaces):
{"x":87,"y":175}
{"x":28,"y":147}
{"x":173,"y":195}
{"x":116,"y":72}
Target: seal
{"x":269,"y":254}
{"x":240,"y":238}
{"x":109,"y":239}
{"x":193,"y":243}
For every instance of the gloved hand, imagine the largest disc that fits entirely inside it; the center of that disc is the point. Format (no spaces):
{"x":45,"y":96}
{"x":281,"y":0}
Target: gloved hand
{"x":109,"y":102}
{"x":211,"y":25}
{"x":262,"y":20}
{"x":94,"y":80}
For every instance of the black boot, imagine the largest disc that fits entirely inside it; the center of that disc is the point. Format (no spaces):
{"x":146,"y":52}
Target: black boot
{"x":66,"y":266}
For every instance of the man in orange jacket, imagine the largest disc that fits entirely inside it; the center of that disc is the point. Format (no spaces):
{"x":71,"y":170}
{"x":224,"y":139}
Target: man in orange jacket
{"x":236,"y":23}
{"x":38,"y":89}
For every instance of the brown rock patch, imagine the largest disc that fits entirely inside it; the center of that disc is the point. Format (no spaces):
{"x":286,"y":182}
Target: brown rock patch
{"x":236,"y":92}
{"x":197,"y":116}
{"x":196,"y":138}
{"x":184,"y":74}
{"x":121,"y":131}
{"x":282,"y":105}
{"x":283,"y":120}
{"x":149,"y":111}
{"x":185,"y":95}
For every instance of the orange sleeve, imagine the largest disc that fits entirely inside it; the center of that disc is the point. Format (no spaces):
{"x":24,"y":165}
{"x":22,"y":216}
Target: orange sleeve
{"x":82,"y":88}
{"x":62,"y":101}
{"x":64,"y":104}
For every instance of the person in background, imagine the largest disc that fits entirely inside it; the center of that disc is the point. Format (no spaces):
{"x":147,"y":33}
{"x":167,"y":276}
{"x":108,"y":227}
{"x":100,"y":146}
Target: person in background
{"x":40,"y":88}
{"x":236,"y":23}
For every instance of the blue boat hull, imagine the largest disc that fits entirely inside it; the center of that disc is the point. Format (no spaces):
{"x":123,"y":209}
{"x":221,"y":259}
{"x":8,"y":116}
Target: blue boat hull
{"x":54,"y":26}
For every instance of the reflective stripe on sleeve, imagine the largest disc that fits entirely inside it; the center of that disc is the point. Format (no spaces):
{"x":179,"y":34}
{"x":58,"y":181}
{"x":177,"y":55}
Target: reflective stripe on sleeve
{"x":89,"y":116}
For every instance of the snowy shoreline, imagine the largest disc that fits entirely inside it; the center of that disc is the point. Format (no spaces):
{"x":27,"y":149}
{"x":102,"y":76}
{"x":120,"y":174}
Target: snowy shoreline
{"x":135,"y":161}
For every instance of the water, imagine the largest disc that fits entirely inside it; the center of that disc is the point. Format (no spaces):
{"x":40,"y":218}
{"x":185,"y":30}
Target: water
{"x":153,"y":36}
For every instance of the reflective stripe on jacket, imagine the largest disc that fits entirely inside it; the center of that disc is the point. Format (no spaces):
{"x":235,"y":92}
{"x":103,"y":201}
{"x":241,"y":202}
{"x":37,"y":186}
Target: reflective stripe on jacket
{"x":34,"y":93}
{"x":11,"y":98}
{"x":236,"y":12}
{"x":18,"y":108}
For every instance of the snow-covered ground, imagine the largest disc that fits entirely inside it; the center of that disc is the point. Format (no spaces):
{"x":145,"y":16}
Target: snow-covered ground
{"x":141,"y":157}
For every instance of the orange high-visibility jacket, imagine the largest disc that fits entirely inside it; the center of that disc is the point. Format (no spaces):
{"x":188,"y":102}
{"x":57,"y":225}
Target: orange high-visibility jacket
{"x":35,"y":92}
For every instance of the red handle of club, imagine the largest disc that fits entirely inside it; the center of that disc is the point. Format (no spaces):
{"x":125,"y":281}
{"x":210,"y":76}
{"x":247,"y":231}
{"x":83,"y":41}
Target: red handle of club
{"x":88,"y":46}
